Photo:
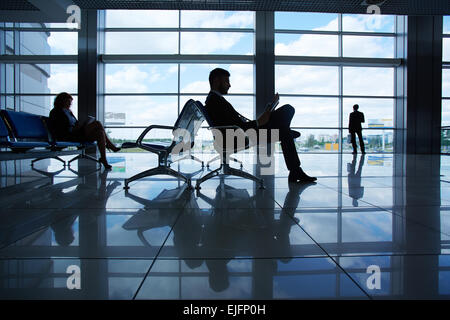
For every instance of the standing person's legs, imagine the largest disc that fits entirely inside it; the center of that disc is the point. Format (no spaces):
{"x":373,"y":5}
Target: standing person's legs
{"x":353,"y":140}
{"x":361,"y":141}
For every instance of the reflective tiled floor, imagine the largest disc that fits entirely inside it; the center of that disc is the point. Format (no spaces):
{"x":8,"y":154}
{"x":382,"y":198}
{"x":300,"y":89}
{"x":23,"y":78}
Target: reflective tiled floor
{"x":230,"y":240}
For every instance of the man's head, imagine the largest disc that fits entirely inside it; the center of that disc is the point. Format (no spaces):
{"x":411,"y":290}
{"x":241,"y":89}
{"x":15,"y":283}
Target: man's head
{"x":356,"y":107}
{"x":219,"y":80}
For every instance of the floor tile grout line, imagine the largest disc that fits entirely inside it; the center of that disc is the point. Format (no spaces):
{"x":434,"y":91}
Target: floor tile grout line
{"x":156,"y":257}
{"x":393,"y":213}
{"x":330,"y":257}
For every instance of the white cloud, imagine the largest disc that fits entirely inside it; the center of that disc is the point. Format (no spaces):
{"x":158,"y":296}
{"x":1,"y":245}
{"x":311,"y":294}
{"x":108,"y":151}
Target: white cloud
{"x":142,"y":18}
{"x":63,"y":78}
{"x":217,"y":19}
{"x":129,"y":79}
{"x":209,"y":42}
{"x":309,"y":45}
{"x":63,"y":42}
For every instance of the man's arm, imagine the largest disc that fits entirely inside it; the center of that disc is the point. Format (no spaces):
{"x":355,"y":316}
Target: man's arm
{"x":223,"y":114}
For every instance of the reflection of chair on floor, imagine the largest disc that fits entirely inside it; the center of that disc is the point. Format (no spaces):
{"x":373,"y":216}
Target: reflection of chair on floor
{"x":184,"y":132}
{"x":159,"y":212}
{"x":224,"y":154}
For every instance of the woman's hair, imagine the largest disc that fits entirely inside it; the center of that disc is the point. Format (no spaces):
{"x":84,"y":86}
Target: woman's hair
{"x":62,"y":99}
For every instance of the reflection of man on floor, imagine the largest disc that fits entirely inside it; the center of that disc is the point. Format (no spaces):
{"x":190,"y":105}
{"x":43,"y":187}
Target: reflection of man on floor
{"x":355,"y":189}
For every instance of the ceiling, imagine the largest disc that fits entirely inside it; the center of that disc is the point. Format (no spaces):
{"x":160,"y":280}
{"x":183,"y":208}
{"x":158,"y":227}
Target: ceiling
{"x":400,"y":7}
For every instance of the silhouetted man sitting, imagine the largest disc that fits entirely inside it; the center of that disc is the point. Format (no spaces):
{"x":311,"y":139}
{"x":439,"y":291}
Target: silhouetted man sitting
{"x":356,"y":118}
{"x":222,"y":113}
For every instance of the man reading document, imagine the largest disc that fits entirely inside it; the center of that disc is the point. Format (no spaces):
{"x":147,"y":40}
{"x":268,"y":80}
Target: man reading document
{"x":222,"y":113}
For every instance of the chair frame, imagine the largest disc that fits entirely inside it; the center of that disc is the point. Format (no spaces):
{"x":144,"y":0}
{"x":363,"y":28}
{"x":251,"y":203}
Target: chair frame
{"x":225,"y":157}
{"x":164,"y":156}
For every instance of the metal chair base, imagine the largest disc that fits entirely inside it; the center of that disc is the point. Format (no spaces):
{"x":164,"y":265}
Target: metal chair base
{"x":226,"y":170}
{"x":157,"y":171}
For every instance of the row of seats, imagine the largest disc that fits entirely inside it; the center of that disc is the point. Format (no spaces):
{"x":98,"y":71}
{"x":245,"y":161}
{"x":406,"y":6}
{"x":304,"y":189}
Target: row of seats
{"x":22,"y":132}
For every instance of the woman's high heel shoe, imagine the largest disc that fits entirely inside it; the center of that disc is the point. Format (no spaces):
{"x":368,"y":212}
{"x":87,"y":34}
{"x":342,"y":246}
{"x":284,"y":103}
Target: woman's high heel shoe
{"x":105,"y":163}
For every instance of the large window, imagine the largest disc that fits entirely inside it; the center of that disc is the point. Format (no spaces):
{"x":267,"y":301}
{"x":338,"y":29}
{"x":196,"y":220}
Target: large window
{"x":150,"y":87}
{"x":32,"y":86}
{"x":313,"y":73}
{"x":445,"y":132}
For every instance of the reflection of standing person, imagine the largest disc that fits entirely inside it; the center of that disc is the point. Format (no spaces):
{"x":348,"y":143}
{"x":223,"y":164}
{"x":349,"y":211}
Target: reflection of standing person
{"x":355,"y":190}
{"x":354,"y":127}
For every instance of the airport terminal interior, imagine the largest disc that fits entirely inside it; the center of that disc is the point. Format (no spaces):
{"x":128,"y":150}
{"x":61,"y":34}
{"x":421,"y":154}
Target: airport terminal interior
{"x":375,"y":225}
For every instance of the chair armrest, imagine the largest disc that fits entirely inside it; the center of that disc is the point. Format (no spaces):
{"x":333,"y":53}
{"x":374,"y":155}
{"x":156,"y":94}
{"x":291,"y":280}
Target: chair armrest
{"x":144,"y":133}
{"x":224,"y":127}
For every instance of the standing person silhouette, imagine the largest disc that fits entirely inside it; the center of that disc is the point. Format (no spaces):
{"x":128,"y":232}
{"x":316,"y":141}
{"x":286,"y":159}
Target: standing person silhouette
{"x":354,"y":127}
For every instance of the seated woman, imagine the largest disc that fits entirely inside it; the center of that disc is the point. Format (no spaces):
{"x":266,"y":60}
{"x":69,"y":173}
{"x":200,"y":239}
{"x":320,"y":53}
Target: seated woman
{"x":66,"y":127}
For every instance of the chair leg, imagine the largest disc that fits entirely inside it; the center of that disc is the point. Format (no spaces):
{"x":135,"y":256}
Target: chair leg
{"x":154,"y":172}
{"x":83,"y":156}
{"x":55,"y":157}
{"x":207,"y":177}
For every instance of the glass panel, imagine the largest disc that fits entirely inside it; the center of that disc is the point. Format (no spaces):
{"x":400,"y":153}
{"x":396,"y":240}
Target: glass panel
{"x":44,"y":43}
{"x":368,"y":47}
{"x":446,"y":113}
{"x":142,"y":110}
{"x":372,"y":165}
{"x":318,"y":140}
{"x":368,"y":23}
{"x":308,"y":111}
{"x":217,"y":43}
{"x":121,"y":135}
{"x":43,"y":104}
{"x":377,"y":112}
{"x":142,"y":18}
{"x":306,"y":45}
{"x":368,"y":81}
{"x":9,"y":41}
{"x":217,"y":19}
{"x":194,"y":78}
{"x":446,"y":49}
{"x":306,"y":21}
{"x":446,"y":83}
{"x":46,"y":78}
{"x":141,"y":78}
{"x":291,"y":79}
{"x":243,"y":105}
{"x":141,"y":43}
{"x":374,"y":141}
{"x":366,"y":227}
{"x":9,"y":83}
{"x":447,"y":25}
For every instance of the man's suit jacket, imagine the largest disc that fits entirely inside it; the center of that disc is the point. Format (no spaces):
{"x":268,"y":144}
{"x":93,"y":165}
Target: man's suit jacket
{"x":356,"y":118}
{"x":222,"y":113}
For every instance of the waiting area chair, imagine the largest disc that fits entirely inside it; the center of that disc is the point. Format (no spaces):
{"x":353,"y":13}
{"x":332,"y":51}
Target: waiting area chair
{"x":225,"y":155}
{"x":184,"y":131}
